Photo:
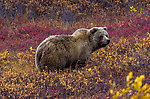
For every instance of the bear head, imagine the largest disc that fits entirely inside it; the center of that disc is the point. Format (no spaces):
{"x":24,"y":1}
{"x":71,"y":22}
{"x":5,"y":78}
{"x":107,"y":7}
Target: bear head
{"x":98,"y":37}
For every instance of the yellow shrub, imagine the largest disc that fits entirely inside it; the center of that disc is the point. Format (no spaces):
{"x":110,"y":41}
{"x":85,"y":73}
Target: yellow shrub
{"x":134,"y":89}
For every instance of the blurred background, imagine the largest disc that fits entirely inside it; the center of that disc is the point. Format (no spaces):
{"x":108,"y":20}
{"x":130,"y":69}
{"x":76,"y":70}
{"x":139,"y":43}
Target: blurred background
{"x":69,"y":11}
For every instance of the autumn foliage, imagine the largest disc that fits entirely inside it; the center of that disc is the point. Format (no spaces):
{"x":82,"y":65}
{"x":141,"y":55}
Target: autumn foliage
{"x":120,"y":70}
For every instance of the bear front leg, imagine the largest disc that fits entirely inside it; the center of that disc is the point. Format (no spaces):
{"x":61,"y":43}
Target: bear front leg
{"x":81,"y":63}
{"x":73,"y":66}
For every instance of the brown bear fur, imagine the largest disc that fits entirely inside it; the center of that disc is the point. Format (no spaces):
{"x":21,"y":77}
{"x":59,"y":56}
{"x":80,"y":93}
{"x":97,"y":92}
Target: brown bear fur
{"x":63,"y":51}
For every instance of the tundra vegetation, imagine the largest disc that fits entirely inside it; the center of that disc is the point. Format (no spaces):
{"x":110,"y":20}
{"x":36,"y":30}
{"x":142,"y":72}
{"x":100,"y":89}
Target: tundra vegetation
{"x":120,"y":70}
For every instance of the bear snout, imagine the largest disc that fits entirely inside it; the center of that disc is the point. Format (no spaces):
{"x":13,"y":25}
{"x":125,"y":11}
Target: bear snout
{"x":108,"y":41}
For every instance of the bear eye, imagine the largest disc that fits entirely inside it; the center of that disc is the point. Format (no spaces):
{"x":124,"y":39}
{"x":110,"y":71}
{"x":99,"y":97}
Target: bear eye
{"x":101,"y":37}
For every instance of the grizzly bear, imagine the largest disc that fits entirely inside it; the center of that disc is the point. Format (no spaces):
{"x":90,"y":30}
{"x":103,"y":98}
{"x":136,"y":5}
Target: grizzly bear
{"x":62,"y":51}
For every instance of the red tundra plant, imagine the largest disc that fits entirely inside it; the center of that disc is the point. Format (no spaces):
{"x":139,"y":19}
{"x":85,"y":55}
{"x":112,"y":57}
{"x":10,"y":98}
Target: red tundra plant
{"x":130,"y":26}
{"x":27,"y":36}
{"x":31,"y":35}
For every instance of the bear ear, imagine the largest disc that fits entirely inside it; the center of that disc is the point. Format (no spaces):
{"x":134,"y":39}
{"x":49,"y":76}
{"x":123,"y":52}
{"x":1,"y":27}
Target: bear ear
{"x":93,"y":30}
{"x":105,"y":28}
